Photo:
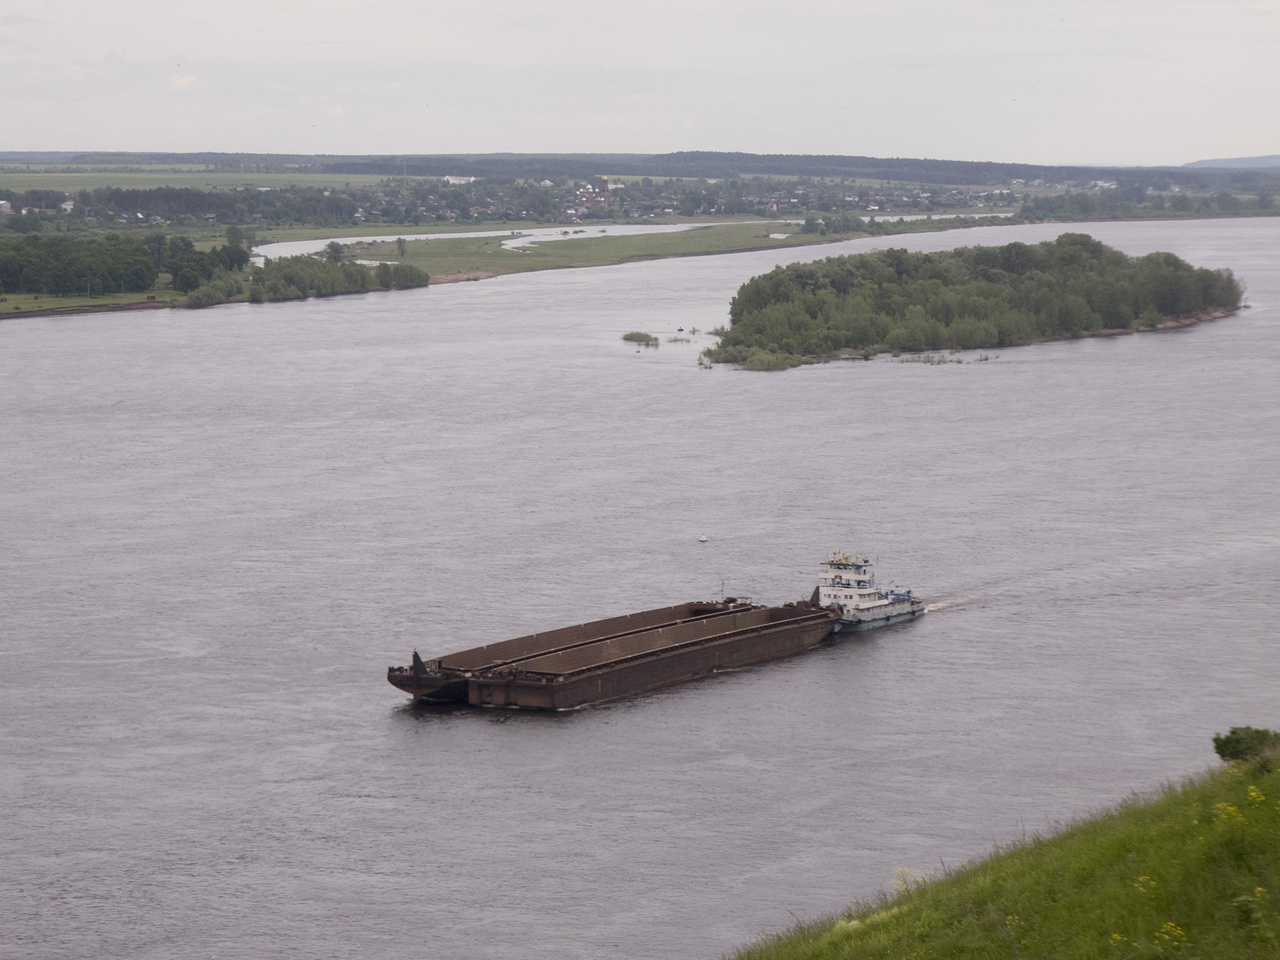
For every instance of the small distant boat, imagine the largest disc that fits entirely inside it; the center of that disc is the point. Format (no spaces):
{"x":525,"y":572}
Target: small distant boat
{"x":703,"y":538}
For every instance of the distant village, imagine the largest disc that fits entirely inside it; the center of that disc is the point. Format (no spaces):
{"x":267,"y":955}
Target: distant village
{"x":466,"y":199}
{"x":612,"y":198}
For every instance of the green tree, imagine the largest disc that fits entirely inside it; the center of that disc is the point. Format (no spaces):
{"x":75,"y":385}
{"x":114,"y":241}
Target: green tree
{"x":1245,"y":743}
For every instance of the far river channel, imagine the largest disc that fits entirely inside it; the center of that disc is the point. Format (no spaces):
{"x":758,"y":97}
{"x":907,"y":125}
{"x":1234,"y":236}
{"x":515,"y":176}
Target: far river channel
{"x":218,"y":528}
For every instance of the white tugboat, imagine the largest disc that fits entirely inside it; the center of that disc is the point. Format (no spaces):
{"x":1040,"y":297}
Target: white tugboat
{"x":848,"y":583}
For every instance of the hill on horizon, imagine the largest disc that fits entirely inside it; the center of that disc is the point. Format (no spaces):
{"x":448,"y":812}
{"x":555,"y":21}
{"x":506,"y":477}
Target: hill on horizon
{"x":1238,"y":163}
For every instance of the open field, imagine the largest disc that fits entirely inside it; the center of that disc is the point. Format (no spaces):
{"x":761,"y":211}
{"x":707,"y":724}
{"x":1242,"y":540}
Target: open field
{"x":466,"y":258}
{"x":36,"y":179}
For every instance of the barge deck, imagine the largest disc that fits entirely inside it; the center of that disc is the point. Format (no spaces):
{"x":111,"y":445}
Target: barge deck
{"x":574,"y":666}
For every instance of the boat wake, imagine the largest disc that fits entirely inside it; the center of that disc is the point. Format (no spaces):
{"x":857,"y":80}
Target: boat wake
{"x":948,"y":603}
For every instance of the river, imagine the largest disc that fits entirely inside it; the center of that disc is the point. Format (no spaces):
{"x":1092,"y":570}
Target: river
{"x":220,"y":527}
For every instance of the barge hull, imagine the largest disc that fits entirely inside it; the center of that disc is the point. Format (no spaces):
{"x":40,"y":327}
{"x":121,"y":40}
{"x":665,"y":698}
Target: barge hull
{"x":849,"y":626}
{"x":776,"y":633}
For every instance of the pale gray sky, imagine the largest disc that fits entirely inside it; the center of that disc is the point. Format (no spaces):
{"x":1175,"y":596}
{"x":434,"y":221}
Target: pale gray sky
{"x":1078,"y":81}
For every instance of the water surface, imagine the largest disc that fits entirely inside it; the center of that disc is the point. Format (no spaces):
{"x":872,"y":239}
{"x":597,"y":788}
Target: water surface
{"x":219,"y":528}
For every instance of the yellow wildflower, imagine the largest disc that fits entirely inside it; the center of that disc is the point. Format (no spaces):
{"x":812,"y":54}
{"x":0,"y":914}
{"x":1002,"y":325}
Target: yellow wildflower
{"x":1228,"y":813}
{"x":1171,"y":936}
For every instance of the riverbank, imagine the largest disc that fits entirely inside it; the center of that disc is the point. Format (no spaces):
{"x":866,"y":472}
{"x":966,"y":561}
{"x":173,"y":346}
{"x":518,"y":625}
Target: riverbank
{"x":115,"y":305}
{"x":468,"y":275}
{"x":465,"y":258}
{"x":1190,"y":870}
{"x":490,"y":255}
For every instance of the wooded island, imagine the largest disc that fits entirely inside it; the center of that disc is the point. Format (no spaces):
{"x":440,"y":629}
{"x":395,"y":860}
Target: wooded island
{"x":974,"y":297}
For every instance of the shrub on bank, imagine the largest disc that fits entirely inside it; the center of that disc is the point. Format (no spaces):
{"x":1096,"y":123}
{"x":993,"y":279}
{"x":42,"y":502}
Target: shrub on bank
{"x":1245,"y":743}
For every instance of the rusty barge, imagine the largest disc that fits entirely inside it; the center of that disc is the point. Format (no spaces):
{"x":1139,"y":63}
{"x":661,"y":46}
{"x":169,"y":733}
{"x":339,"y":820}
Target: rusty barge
{"x":605,"y":659}
{"x":574,"y":666}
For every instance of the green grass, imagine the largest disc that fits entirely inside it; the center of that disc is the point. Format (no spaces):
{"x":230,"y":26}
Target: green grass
{"x":476,"y":256}
{"x":1192,"y":872}
{"x":17,"y":304}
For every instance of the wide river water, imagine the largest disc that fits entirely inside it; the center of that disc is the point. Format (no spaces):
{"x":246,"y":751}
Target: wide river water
{"x":218,"y":528}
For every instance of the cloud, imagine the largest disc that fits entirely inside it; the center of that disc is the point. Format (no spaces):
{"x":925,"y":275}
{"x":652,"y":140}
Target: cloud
{"x":16,"y":20}
{"x":181,"y":83}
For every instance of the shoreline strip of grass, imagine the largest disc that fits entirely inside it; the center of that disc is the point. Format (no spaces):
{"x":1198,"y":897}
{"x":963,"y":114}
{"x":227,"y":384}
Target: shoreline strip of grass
{"x":1192,"y":870}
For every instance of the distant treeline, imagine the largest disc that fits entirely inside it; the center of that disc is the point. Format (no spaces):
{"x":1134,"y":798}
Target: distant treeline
{"x":963,"y":299}
{"x":300,"y":277}
{"x":498,"y":197}
{"x":64,"y":266}
{"x":694,"y":163}
{"x":61,"y":265}
{"x":1134,"y":201}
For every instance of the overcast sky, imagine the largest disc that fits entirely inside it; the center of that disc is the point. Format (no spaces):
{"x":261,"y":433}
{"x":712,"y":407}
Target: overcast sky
{"x":1078,"y":81}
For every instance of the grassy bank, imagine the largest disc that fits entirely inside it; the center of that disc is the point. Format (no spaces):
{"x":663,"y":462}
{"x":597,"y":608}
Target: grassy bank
{"x":485,"y":256}
{"x":29,"y":304}
{"x":1193,"y":871}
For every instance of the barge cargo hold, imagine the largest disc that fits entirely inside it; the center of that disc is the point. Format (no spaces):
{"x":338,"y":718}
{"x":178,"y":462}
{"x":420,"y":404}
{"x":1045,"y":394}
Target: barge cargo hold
{"x":572,"y":667}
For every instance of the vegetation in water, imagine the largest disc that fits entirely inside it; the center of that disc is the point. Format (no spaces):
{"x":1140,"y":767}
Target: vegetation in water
{"x":974,"y":297}
{"x":644,"y":339}
{"x":1190,"y":872}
